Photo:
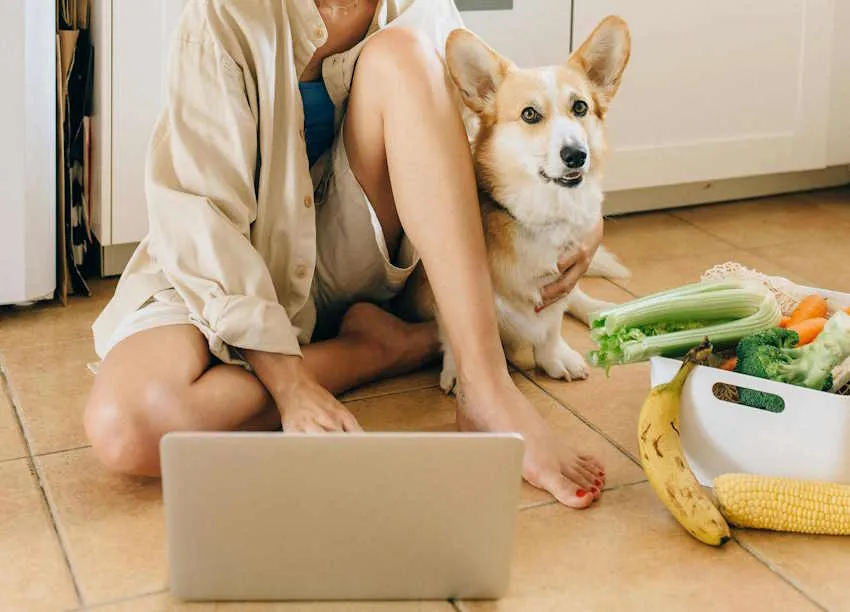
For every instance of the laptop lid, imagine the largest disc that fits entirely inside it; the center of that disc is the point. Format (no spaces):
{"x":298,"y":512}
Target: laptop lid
{"x":340,"y":516}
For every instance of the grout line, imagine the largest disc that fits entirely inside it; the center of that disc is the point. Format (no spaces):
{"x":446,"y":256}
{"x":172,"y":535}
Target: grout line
{"x":35,"y":469}
{"x":774,"y":569}
{"x":673,"y":214}
{"x":6,"y":389}
{"x":380,"y":394}
{"x":121,"y":600}
{"x":619,"y":286}
{"x":458,"y":605}
{"x":583,"y":419}
{"x":555,"y":502}
{"x":11,"y":459}
{"x":63,"y":450}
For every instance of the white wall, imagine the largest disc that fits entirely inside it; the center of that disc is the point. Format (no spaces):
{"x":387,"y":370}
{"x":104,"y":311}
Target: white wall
{"x":27,"y":151}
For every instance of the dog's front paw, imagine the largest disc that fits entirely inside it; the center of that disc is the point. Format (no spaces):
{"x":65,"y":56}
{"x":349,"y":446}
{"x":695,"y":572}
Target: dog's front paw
{"x":448,"y":376}
{"x":561,"y":361}
{"x":448,"y":381}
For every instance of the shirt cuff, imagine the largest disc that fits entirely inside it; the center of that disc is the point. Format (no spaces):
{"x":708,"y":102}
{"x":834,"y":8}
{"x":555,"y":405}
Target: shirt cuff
{"x":249,"y":322}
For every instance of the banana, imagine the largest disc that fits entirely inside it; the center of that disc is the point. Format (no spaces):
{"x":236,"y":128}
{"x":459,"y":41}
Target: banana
{"x":664,"y":463}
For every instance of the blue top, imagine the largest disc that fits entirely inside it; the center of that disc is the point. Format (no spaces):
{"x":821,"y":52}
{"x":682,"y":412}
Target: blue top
{"x":318,"y":118}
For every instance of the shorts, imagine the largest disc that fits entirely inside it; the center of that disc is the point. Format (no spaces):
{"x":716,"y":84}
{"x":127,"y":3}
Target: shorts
{"x":352,"y":260}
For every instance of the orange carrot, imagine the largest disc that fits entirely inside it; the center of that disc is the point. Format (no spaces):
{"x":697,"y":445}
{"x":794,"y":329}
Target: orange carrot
{"x":784,"y":322}
{"x":812,"y":307}
{"x":847,"y":310}
{"x":729,"y":364}
{"x":808,"y":330}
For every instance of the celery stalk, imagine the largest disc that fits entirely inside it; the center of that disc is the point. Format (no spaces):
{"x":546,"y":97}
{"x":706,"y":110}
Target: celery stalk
{"x":672,"y":322}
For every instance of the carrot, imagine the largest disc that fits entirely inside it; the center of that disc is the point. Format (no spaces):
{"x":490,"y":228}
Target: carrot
{"x":812,"y":307}
{"x":808,"y":330}
{"x":784,"y":322}
{"x":729,"y":364}
{"x":847,"y":310}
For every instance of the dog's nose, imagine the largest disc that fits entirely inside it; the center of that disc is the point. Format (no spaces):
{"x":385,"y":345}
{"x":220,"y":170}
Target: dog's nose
{"x":574,"y":157}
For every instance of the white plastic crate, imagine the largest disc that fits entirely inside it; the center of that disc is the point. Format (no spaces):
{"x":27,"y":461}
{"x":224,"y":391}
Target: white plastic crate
{"x":809,"y":439}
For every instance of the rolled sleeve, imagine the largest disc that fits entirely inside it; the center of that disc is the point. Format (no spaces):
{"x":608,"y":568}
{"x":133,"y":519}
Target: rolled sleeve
{"x":202,"y":200}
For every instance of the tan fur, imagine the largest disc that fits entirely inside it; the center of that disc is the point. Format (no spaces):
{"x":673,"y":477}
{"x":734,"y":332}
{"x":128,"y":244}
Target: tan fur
{"x":534,"y":205}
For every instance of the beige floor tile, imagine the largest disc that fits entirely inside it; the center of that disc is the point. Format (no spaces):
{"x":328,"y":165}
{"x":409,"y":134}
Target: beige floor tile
{"x":423,"y":379}
{"x":629,"y":553}
{"x":836,"y":201}
{"x":822,"y":262}
{"x":657,"y":237}
{"x":50,"y":383}
{"x":816,"y":564}
{"x":651,"y":276}
{"x":619,"y":469}
{"x":165,"y":603}
{"x":34,"y":575}
{"x":49,"y":322}
{"x":431,"y":410}
{"x":12,"y":444}
{"x":114,"y":527}
{"x":768,"y":221}
{"x":610,"y":402}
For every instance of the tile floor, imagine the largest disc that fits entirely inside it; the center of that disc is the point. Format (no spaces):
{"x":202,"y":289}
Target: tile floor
{"x":73,"y":536}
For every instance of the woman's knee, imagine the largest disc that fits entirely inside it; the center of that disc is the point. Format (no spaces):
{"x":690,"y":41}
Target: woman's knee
{"x":119,"y":423}
{"x":399,"y":52}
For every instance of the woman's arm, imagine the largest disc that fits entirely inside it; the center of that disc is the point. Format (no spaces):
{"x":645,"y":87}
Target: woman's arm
{"x":202,"y":201}
{"x":572,"y":265}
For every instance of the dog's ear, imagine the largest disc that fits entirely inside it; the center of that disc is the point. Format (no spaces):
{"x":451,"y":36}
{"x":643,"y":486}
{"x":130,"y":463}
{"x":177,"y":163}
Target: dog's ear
{"x":603,"y":57}
{"x":475,"y":68}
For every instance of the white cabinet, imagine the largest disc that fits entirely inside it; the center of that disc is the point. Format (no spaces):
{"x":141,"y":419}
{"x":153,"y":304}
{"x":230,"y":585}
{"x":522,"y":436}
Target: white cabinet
{"x":718,"y":90}
{"x":133,"y":41}
{"x":532,"y":33}
{"x":27,"y":151}
{"x":839,"y":115}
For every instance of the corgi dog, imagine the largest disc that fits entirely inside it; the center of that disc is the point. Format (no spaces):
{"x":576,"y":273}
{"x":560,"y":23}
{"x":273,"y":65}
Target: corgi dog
{"x":539,"y":153}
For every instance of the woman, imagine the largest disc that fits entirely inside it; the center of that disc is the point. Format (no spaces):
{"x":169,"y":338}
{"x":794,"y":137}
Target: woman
{"x":211,"y":323}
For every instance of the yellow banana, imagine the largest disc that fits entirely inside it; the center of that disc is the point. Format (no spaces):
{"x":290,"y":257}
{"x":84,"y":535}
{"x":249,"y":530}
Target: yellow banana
{"x":664,"y":463}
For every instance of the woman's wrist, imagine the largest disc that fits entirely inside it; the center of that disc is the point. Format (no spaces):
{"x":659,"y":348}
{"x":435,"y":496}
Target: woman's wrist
{"x":279,"y":374}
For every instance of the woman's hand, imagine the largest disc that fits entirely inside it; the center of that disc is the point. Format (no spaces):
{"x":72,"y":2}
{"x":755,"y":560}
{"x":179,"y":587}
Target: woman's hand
{"x":572,"y":265}
{"x":305,"y":406}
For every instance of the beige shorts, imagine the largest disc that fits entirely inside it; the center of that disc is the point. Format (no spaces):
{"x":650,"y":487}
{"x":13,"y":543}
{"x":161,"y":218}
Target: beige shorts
{"x":353,"y":262}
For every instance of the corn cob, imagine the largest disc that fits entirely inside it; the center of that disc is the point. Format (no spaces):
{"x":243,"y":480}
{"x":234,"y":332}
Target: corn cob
{"x":784,"y":504}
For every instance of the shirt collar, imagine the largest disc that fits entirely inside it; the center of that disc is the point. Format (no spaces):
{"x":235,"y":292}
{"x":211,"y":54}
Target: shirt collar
{"x":309,"y":32}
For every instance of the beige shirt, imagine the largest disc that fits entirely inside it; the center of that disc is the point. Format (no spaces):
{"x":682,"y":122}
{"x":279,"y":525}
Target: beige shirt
{"x":228,"y":187}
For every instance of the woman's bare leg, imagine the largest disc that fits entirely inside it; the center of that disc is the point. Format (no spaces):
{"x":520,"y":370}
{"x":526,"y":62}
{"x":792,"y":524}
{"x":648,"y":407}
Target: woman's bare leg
{"x":162,"y":380}
{"x":408,"y":148}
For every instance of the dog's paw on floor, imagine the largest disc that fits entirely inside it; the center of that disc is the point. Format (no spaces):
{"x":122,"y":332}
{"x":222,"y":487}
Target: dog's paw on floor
{"x":562,"y":361}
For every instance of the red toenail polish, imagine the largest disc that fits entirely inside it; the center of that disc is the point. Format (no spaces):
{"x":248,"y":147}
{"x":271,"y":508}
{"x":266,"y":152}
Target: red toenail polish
{"x":598,"y":483}
{"x":581,"y":493}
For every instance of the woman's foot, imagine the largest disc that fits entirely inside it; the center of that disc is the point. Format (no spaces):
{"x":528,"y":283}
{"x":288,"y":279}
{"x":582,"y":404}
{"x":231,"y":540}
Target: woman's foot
{"x":574,"y":479}
{"x":406,"y":347}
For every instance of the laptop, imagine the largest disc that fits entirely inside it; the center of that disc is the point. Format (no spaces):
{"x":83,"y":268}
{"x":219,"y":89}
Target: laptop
{"x":267,"y":516}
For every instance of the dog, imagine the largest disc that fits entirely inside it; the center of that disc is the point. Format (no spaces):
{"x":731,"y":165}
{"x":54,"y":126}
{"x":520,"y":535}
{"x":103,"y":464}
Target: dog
{"x":539,"y":153}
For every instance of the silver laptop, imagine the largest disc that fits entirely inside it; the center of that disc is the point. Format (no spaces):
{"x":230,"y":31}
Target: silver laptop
{"x":340,"y":516}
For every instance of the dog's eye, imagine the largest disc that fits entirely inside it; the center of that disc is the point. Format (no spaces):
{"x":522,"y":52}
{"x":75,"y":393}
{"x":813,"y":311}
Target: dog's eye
{"x":530,"y":115}
{"x":579,"y":108}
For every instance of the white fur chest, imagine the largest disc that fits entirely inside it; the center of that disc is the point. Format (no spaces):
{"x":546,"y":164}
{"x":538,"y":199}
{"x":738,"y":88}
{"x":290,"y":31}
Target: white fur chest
{"x":550,"y":223}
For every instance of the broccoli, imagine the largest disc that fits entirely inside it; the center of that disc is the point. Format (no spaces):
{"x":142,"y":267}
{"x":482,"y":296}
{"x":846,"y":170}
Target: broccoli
{"x":772,"y":354}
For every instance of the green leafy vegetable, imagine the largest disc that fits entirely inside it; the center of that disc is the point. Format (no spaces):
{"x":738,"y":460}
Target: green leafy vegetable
{"x":772,"y":354}
{"x":672,"y":322}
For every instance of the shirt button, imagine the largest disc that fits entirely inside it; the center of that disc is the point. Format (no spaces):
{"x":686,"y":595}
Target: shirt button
{"x":301,"y":271}
{"x":318,"y":34}
{"x":308,"y":201}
